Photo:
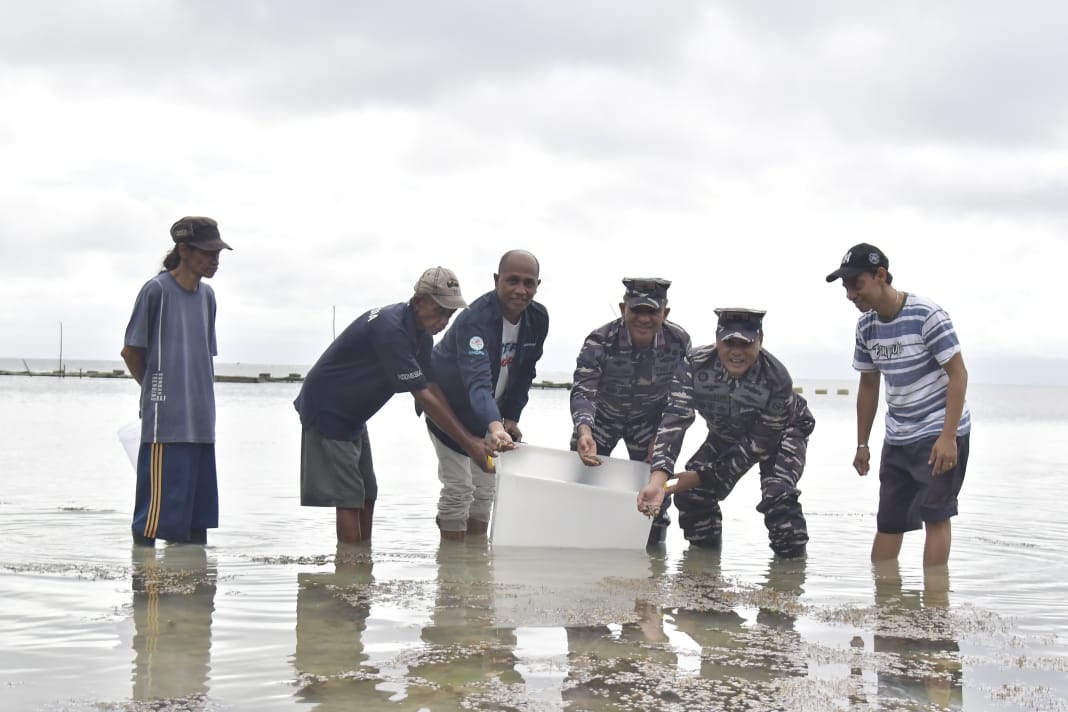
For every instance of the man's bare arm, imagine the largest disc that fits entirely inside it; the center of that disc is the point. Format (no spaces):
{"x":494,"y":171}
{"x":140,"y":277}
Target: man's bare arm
{"x":134,"y":357}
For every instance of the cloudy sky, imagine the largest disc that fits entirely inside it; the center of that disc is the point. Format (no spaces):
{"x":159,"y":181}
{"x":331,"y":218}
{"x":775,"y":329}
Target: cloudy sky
{"x":736,"y":148}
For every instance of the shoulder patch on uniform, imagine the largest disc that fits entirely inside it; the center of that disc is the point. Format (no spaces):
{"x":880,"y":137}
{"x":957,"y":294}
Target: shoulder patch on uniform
{"x":476,"y":343}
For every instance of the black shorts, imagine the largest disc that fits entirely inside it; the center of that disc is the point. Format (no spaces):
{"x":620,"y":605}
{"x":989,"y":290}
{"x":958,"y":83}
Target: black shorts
{"x":336,"y":473}
{"x":909,"y":494}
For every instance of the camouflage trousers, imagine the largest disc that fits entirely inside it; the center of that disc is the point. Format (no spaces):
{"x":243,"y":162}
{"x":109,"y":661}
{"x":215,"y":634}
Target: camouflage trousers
{"x":699,"y":513}
{"x":636,"y":436}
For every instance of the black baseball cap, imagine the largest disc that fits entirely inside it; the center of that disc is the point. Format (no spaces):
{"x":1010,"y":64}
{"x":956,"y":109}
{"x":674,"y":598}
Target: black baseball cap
{"x":860,"y":259}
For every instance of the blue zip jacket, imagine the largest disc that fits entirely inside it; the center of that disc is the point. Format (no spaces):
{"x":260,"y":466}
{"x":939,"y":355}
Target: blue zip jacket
{"x":467,"y":362}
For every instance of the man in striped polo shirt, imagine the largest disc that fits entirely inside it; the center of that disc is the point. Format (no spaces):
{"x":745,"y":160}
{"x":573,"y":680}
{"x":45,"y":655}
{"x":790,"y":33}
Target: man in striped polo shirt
{"x":910,"y":340}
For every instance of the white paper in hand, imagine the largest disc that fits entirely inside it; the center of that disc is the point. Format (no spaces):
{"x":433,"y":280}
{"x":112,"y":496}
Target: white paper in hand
{"x":130,"y":437}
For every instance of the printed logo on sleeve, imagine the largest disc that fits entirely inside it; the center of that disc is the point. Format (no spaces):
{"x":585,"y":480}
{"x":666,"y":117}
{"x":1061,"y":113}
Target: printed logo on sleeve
{"x":476,"y":343}
{"x":409,"y":376}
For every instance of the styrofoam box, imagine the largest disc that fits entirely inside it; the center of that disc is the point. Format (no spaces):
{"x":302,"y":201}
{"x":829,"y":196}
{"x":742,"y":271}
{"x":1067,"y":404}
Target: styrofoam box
{"x":548,"y":498}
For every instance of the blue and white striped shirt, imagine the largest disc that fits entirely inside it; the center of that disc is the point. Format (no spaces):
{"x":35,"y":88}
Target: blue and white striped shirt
{"x":910,"y":350}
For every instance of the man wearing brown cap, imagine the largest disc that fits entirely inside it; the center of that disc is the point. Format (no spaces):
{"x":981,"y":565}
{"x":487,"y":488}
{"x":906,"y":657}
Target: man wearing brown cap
{"x":754,"y":418}
{"x":169,"y":346}
{"x":384,"y":351}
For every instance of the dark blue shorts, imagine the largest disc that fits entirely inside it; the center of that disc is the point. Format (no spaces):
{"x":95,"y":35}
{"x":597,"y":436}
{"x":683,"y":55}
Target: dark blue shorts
{"x":177,"y":490}
{"x":909,"y":494}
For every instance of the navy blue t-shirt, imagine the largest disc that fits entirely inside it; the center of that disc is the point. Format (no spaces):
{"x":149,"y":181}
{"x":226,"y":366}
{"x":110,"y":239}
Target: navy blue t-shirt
{"x":381,"y":353}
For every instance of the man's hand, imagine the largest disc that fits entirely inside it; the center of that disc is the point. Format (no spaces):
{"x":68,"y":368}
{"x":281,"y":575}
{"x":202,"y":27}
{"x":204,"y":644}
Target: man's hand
{"x":481,"y":452}
{"x":498,"y":437}
{"x":512,"y":428}
{"x":586,"y":447}
{"x":943,"y":454}
{"x":651,"y":496}
{"x":861,"y":460}
{"x":684,"y":481}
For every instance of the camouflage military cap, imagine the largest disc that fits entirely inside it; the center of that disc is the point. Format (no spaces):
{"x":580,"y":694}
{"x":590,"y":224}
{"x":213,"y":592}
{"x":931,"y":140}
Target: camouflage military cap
{"x":739,"y":323}
{"x":646,"y":292}
{"x":198,"y":231}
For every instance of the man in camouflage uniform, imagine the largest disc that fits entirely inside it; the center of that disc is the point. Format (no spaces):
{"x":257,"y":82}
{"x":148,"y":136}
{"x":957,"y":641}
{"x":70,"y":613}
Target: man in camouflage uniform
{"x":622,"y":379}
{"x":754,"y":417}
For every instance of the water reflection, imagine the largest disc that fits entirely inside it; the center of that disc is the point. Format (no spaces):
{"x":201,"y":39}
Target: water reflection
{"x":600,"y":657}
{"x":733,"y":650}
{"x":470,"y":654}
{"x":332,"y":611}
{"x":914,"y":631}
{"x":173,"y":602}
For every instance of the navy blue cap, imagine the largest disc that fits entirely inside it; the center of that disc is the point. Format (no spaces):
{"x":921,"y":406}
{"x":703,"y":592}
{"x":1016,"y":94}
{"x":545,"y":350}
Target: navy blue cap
{"x":646,"y":292}
{"x":739,"y":323}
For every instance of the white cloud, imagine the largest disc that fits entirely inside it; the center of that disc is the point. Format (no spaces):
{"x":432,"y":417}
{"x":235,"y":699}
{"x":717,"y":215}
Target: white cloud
{"x":737,"y":149}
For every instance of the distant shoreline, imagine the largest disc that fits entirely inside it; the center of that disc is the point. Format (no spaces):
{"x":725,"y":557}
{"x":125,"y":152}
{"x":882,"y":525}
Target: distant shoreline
{"x":121,"y":373}
{"x":219,"y":378}
{"x":986,"y":371}
{"x":294,"y":377}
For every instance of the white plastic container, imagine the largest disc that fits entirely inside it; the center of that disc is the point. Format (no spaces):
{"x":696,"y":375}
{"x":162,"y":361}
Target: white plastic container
{"x":548,"y":498}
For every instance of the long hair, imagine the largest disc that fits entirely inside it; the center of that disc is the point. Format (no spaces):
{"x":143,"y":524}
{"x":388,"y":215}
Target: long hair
{"x":171,"y":260}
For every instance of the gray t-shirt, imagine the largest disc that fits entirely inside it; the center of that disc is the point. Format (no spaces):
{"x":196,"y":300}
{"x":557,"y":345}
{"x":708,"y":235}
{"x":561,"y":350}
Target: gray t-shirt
{"x":176,"y":328}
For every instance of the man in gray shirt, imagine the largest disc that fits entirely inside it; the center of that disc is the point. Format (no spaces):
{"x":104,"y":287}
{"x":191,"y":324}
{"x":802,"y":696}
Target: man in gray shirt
{"x":169,"y":346}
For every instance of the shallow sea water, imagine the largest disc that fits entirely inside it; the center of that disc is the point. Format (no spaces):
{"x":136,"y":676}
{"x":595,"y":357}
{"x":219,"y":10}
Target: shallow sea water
{"x":271,"y":616}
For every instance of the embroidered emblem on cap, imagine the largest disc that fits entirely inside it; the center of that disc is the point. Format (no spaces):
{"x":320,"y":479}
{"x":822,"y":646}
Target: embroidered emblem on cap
{"x":873,"y":257}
